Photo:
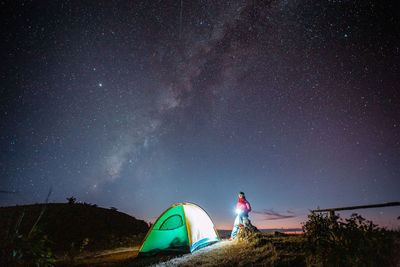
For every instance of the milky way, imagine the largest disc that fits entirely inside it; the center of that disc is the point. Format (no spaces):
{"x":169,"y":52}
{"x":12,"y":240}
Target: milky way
{"x":142,"y":104}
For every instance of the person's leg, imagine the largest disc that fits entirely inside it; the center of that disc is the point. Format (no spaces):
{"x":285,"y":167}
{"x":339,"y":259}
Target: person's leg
{"x":241,"y":223}
{"x":245,"y":221}
{"x":235,"y":227}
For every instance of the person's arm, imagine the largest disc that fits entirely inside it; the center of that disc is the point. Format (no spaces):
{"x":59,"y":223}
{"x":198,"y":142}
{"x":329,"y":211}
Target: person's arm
{"x":248,"y":206}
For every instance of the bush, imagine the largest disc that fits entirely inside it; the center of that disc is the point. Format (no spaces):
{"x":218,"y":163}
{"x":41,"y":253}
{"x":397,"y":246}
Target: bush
{"x":27,"y":250}
{"x":331,"y":241}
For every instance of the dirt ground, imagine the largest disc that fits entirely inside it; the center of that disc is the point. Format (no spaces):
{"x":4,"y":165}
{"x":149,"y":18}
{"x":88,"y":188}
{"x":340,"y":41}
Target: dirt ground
{"x":104,"y":258}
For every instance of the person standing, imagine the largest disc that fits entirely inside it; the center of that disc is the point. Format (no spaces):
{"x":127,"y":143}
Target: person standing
{"x":242,"y":210}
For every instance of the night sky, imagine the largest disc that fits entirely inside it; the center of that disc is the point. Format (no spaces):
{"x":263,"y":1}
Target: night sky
{"x":142,"y":104}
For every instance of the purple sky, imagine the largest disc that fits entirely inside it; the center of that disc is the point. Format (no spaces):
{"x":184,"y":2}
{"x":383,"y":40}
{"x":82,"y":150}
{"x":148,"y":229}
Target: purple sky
{"x":142,"y":104}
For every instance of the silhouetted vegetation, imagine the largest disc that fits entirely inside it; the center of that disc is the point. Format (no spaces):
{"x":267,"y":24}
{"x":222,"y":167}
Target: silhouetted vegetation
{"x":331,"y":241}
{"x":24,"y":249}
{"x":69,"y":229}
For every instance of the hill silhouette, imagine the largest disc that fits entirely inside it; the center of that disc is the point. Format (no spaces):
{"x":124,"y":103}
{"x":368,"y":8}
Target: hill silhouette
{"x":69,"y":225}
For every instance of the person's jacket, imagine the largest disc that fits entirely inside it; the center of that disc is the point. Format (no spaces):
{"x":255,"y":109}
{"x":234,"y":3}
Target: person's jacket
{"x":244,"y":206}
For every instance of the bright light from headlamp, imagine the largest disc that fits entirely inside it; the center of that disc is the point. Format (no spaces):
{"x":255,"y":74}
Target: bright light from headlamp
{"x":238,"y":211}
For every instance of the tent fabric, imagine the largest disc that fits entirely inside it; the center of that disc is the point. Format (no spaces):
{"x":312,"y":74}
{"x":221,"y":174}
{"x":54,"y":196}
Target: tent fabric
{"x":201,"y":227}
{"x":183,"y":227}
{"x":164,"y":234}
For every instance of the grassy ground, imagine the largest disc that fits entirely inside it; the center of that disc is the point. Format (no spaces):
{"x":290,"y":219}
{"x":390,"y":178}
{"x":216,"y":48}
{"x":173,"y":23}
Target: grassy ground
{"x":246,"y":250}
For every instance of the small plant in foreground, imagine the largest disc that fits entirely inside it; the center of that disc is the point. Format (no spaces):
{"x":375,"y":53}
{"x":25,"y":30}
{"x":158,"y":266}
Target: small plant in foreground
{"x":27,"y":250}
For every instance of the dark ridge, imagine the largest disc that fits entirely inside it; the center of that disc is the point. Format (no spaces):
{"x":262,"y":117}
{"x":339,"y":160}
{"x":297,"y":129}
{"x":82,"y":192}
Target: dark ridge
{"x":68,"y":225}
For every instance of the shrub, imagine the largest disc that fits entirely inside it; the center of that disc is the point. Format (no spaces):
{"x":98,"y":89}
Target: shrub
{"x":27,"y":250}
{"x":331,"y":241}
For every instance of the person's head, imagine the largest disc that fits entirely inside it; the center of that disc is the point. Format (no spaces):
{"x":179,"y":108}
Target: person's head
{"x":241,"y":195}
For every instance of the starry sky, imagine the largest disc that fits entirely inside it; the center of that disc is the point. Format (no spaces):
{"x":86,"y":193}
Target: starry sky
{"x":142,"y":104}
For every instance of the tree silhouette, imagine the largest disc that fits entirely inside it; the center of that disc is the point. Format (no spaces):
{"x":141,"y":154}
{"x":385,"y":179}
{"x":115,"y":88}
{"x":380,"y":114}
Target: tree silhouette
{"x":71,"y":200}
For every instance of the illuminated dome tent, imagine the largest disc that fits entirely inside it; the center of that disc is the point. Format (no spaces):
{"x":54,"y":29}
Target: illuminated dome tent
{"x":182,"y":227}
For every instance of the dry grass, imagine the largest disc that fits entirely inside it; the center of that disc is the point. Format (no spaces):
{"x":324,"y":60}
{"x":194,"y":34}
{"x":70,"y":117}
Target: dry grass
{"x":227,"y":253}
{"x":248,"y":249}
